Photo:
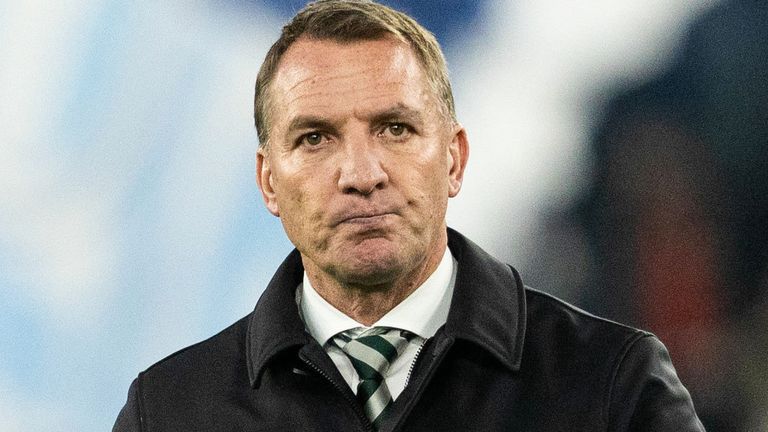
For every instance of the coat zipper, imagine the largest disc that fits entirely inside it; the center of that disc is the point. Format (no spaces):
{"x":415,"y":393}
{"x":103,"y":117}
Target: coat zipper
{"x":343,"y":390}
{"x":437,"y":357}
{"x":413,"y":363}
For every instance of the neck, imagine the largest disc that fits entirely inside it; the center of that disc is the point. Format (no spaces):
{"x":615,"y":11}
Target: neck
{"x":366,"y":304}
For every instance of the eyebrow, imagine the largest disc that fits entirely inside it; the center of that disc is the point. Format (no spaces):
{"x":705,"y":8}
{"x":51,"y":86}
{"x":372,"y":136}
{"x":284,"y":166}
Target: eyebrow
{"x":310,"y":122}
{"x":399,"y":112}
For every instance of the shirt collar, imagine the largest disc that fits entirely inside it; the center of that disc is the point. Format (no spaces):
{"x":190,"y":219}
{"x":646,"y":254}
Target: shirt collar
{"x":488,"y":309}
{"x":422,"y":313}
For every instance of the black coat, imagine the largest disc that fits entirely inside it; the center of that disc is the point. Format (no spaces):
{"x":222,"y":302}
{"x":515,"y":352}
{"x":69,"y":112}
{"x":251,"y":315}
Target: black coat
{"x":508,"y":359}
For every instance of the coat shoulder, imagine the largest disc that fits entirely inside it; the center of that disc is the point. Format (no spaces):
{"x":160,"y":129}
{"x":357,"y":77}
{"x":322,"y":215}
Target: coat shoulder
{"x":178,"y":391}
{"x":603,"y":367}
{"x":228,"y":344}
{"x":577,"y":350}
{"x":197,"y":374}
{"x":552,"y":317}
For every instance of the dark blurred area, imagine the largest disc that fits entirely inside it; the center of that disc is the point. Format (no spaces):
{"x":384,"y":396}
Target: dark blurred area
{"x":673,"y":232}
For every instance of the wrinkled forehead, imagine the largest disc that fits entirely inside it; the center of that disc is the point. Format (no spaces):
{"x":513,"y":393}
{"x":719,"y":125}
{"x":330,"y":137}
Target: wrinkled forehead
{"x":314,"y":70}
{"x":309,"y":61}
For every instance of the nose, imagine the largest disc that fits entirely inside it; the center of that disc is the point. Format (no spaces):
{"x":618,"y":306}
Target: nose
{"x":361,"y":170}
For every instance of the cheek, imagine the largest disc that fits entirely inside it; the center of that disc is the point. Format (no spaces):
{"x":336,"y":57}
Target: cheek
{"x":300,"y":197}
{"x":292,"y":199}
{"x":426,"y":183}
{"x":431,"y":171}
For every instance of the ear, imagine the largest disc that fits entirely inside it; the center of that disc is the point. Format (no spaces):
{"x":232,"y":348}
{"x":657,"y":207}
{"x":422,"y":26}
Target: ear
{"x":458,"y":153}
{"x":264,"y":179}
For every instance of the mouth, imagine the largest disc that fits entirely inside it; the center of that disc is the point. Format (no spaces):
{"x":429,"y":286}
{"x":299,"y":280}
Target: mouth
{"x":364,"y":218}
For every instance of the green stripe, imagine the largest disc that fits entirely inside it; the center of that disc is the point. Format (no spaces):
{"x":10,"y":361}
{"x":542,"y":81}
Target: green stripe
{"x":366,"y":389}
{"x":380,"y":419}
{"x":364,"y":370}
{"x":381,"y":345}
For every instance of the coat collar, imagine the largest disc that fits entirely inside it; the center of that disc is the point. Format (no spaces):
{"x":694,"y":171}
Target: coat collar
{"x":488,"y":306}
{"x":487,"y":309}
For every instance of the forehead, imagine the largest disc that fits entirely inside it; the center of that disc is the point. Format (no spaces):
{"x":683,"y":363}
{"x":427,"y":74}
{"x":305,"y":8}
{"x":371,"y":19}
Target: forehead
{"x":327,"y":75}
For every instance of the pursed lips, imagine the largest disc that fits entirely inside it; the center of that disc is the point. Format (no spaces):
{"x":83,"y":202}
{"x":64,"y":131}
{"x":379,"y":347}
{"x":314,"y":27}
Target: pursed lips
{"x":363,"y":217}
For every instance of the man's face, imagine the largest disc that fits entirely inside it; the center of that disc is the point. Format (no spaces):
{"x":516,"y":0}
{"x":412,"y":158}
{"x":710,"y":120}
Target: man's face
{"x":360,"y":162}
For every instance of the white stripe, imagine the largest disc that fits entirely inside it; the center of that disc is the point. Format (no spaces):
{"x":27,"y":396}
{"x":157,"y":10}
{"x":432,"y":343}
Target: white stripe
{"x":399,"y":342}
{"x":377,"y":402}
{"x":367,"y":355}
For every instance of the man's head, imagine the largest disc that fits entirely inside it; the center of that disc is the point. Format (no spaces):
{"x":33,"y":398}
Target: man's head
{"x":361,"y":158}
{"x":348,"y":21}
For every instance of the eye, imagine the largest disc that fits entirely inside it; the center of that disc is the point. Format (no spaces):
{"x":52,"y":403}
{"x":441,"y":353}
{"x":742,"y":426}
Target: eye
{"x":399,"y":130}
{"x":311,"y":139}
{"x":396,"y":129}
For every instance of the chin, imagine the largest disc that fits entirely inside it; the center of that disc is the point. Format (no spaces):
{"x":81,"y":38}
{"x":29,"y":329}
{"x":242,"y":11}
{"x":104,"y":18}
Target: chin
{"x":374,"y":269}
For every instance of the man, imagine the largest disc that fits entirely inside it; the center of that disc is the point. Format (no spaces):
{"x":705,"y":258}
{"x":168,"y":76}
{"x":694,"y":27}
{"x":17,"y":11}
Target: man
{"x":382,"y":318}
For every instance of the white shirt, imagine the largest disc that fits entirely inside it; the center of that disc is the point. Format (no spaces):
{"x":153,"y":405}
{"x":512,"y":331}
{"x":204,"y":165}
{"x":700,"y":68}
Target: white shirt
{"x":421,"y":313}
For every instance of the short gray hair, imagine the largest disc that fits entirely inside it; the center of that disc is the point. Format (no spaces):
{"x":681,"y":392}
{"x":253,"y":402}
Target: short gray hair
{"x":349,"y":21}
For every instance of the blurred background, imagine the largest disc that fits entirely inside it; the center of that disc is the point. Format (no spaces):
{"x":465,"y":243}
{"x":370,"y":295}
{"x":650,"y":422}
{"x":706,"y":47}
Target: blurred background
{"x":619,"y":159}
